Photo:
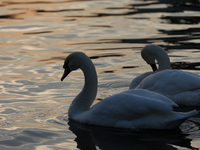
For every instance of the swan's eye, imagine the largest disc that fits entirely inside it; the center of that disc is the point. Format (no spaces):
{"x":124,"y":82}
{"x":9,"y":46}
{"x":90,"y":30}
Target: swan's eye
{"x":65,"y":65}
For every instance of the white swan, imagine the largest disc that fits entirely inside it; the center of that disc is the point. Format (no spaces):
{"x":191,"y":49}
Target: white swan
{"x":150,"y":53}
{"x":180,"y":86}
{"x":133,"y":109}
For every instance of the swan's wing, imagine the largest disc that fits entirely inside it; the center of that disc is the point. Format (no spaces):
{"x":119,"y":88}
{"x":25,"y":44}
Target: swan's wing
{"x":171,"y":82}
{"x":127,"y":106}
{"x":152,"y":96}
{"x":136,"y":81}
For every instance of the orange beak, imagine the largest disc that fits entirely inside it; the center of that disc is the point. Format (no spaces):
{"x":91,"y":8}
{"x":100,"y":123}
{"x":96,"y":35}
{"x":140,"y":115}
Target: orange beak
{"x":154,"y":67}
{"x":66,"y":72}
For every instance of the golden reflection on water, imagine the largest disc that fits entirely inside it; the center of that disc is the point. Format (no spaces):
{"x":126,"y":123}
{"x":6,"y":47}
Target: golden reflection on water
{"x":38,"y":35}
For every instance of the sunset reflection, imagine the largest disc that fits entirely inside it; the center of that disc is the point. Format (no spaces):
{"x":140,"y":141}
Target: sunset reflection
{"x":36,"y":37}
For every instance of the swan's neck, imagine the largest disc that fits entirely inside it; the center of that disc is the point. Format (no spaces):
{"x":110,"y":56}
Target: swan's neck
{"x":85,"y":98}
{"x":163,"y":62}
{"x":151,"y":52}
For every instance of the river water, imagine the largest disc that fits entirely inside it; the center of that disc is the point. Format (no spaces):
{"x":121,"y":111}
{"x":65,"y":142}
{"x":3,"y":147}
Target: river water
{"x":37,"y":35}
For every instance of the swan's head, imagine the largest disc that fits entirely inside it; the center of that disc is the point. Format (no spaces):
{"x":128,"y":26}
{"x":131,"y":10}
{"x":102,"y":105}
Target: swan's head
{"x":151,"y":53}
{"x":72,"y":62}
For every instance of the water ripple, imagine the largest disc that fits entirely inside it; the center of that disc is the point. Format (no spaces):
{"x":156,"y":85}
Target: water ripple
{"x":38,"y":35}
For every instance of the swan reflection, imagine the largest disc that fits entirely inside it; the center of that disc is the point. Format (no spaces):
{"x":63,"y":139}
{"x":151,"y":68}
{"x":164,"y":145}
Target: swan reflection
{"x":90,"y":137}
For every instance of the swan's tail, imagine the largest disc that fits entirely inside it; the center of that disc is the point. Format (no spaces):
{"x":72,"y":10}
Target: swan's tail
{"x":180,"y":117}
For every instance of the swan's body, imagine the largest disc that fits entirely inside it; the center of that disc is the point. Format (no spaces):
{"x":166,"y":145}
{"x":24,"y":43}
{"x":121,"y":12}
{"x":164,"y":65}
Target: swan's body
{"x":133,"y":109}
{"x":150,"y":53}
{"x":180,"y":86}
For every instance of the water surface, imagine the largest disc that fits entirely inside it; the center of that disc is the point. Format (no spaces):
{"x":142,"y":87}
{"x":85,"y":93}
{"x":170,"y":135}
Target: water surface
{"x":36,"y":36}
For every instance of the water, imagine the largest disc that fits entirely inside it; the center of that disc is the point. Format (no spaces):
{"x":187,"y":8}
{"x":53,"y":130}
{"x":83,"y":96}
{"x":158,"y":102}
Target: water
{"x":36,"y":36}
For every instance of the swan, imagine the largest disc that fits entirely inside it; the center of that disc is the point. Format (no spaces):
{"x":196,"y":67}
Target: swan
{"x":150,"y":53}
{"x":132,"y":109}
{"x":180,"y":86}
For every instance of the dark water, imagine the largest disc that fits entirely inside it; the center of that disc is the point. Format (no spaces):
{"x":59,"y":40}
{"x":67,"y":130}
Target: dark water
{"x":37,"y":35}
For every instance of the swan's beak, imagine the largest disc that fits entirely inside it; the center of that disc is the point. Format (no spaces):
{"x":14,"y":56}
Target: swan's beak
{"x":154,"y":67}
{"x":66,"y":72}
